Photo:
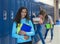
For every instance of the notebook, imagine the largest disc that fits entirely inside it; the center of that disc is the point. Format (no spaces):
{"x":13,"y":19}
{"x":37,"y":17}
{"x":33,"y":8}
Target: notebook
{"x":26,"y":28}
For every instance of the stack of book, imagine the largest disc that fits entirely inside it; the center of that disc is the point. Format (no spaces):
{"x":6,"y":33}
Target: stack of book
{"x":23,"y":27}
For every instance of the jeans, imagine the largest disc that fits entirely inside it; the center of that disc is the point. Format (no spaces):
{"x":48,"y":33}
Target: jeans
{"x":38,"y":31}
{"x":47,"y":33}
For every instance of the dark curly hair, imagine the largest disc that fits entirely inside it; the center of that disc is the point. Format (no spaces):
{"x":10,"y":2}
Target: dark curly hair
{"x":17,"y":19}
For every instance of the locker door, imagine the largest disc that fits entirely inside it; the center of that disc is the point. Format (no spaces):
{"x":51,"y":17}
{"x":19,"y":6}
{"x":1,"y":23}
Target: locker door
{"x":0,"y":21}
{"x":12,"y":13}
{"x":5,"y":22}
{"x":0,"y":17}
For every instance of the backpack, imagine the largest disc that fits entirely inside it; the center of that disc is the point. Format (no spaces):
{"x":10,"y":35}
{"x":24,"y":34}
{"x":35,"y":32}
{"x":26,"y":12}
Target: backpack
{"x":19,"y":27}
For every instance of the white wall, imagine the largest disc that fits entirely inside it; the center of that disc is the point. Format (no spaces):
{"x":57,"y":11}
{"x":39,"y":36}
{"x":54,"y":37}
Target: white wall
{"x":49,"y":2}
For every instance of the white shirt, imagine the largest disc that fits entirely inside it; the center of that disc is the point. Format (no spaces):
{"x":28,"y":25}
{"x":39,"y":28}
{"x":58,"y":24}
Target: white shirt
{"x":50,"y":19}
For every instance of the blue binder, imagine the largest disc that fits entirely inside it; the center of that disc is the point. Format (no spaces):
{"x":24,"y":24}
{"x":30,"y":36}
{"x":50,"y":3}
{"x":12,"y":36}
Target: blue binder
{"x":26,"y":28}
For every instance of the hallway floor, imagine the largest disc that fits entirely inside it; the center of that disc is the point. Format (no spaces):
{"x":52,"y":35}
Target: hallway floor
{"x":56,"y":38}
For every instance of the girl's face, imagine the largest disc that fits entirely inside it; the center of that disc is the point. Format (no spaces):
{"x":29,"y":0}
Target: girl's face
{"x":23,"y":13}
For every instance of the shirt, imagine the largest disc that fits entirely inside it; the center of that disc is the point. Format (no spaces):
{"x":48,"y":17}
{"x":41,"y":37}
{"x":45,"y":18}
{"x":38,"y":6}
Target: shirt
{"x":20,"y":38}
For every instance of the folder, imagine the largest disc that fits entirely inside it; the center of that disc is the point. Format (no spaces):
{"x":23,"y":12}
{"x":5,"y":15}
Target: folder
{"x":23,"y":27}
{"x":48,"y":26}
{"x":26,"y":28}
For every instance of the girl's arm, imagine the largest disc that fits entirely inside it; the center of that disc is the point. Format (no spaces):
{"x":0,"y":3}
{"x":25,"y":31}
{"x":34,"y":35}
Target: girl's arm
{"x":14,"y":32}
{"x":41,"y":19}
{"x":32,"y":30}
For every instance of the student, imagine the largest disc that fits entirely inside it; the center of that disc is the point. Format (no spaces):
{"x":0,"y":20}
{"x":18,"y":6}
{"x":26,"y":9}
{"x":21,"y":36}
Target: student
{"x":39,"y":28}
{"x":49,"y":22}
{"x":22,"y":17}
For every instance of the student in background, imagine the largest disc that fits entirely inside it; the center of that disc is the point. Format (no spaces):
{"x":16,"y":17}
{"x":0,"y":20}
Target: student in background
{"x":39,"y":28}
{"x":22,"y":17}
{"x":35,"y":37}
{"x":49,"y":25}
{"x":49,"y":21}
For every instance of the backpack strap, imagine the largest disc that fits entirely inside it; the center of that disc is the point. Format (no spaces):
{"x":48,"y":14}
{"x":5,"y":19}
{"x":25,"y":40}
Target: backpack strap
{"x":19,"y":27}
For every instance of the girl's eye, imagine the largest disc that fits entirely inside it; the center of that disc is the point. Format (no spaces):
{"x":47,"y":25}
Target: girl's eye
{"x":24,"y":12}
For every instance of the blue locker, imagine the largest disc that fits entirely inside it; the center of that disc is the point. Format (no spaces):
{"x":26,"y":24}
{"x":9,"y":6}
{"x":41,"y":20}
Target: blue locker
{"x":0,"y":15}
{"x":12,"y":12}
{"x":5,"y":21}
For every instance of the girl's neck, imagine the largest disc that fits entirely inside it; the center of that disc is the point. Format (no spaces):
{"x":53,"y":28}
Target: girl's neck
{"x":22,"y":18}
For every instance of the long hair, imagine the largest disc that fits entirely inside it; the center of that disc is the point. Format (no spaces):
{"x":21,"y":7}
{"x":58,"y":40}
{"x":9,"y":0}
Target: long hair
{"x":43,"y":12}
{"x":17,"y":19}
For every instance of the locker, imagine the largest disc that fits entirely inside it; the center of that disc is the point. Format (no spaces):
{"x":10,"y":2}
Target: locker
{"x":0,"y":13}
{"x":12,"y":13}
{"x":5,"y":14}
{"x":5,"y":24}
{"x":0,"y":16}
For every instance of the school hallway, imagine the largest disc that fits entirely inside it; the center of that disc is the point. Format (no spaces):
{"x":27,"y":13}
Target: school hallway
{"x":10,"y":8}
{"x":56,"y":38}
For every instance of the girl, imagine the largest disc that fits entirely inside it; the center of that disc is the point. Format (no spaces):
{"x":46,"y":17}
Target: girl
{"x":49,"y":24}
{"x":22,"y":17}
{"x":39,"y":28}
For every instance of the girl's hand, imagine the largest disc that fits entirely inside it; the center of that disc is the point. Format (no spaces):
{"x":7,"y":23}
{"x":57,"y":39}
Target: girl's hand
{"x":26,"y":37}
{"x":22,"y":32}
